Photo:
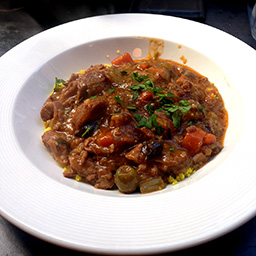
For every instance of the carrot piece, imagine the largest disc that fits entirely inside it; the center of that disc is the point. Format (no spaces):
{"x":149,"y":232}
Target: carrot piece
{"x":193,"y":139}
{"x":105,"y":139}
{"x":124,"y":58}
{"x":209,"y":139}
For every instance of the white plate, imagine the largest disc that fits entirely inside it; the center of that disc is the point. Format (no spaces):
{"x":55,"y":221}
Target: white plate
{"x":33,"y":193}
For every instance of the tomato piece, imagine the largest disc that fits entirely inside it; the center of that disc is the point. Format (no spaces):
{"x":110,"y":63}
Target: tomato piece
{"x":105,"y":139}
{"x":209,"y":139}
{"x":143,"y":66}
{"x":193,"y":139}
{"x":146,"y":96}
{"x":124,"y":58}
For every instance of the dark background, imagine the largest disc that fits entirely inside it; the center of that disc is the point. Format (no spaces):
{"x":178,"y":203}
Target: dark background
{"x":20,"y":20}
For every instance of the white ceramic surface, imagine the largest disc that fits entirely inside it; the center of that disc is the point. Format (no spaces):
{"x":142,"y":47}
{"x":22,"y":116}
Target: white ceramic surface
{"x":36,"y":197}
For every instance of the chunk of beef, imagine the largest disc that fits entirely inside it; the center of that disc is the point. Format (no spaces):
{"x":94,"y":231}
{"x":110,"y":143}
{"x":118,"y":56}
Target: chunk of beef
{"x":51,"y":110}
{"x":91,"y":109}
{"x":57,"y":144}
{"x":136,"y":155}
{"x":124,"y":137}
{"x":92,"y":82}
{"x":172,"y":161}
{"x":147,"y":150}
{"x":67,"y":94}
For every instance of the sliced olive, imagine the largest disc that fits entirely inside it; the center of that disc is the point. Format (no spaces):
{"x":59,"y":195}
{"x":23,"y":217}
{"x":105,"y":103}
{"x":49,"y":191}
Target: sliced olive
{"x":126,"y":179}
{"x":152,"y":148}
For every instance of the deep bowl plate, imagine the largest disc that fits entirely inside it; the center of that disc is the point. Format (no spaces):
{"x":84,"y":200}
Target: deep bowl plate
{"x":38,"y":199}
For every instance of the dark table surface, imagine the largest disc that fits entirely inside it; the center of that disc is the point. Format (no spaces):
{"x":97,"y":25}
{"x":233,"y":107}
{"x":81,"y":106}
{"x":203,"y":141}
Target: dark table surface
{"x":20,"y":20}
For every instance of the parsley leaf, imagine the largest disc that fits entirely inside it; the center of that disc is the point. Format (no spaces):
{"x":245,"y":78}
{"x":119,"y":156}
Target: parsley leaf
{"x":171,"y":95}
{"x":153,"y":118}
{"x":184,"y":103}
{"x":138,"y":78}
{"x":150,"y":109}
{"x":192,"y":122}
{"x":111,"y":90}
{"x":59,"y":83}
{"x":131,"y":107}
{"x":176,"y":118}
{"x":123,"y":72}
{"x":135,"y":96}
{"x":138,"y":87}
{"x":141,"y":120}
{"x":118,"y":100}
{"x":149,"y":123}
{"x":201,"y":108}
{"x":87,"y":131}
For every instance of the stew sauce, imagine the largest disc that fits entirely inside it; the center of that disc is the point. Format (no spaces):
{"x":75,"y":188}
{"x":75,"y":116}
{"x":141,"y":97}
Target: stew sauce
{"x":135,"y":125}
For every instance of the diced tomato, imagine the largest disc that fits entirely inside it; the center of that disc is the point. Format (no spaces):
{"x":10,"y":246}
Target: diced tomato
{"x":209,"y":139}
{"x":146,"y":96}
{"x":143,"y":66}
{"x":193,"y":139}
{"x":105,"y":139}
{"x":124,"y":58}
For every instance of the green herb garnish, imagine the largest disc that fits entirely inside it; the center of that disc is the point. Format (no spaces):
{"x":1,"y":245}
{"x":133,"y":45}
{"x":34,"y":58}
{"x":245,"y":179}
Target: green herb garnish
{"x":118,"y":100}
{"x":111,"y":90}
{"x":176,"y":118}
{"x":93,"y":97}
{"x":59,"y":83}
{"x":135,"y":96}
{"x":201,"y":108}
{"x":123,"y":72}
{"x":184,"y":103}
{"x":138,"y":78}
{"x":192,"y":122}
{"x":131,"y":107}
{"x":150,"y":109}
{"x":87,"y":131}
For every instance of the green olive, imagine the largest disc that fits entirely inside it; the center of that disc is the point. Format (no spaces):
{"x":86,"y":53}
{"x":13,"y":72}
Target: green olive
{"x":126,"y":179}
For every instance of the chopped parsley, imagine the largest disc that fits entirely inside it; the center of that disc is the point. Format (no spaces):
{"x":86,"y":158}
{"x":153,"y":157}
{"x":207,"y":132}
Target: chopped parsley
{"x":201,"y":108}
{"x":171,"y":149}
{"x":191,"y":122}
{"x":148,"y":85}
{"x":111,"y":90}
{"x":118,"y":100}
{"x":135,"y":96}
{"x":138,"y":78}
{"x":131,"y":107}
{"x":165,"y":103}
{"x":93,"y":97}
{"x":87,"y":131}
{"x":149,"y":123}
{"x":176,"y":118}
{"x":59,"y":83}
{"x":123,"y":72}
{"x":150,"y":109}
